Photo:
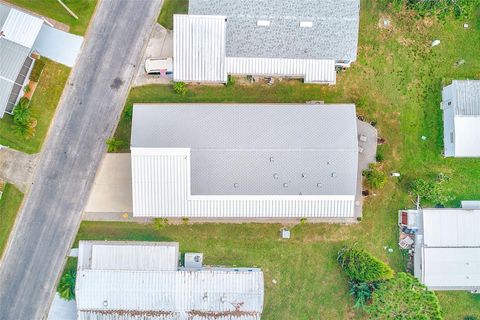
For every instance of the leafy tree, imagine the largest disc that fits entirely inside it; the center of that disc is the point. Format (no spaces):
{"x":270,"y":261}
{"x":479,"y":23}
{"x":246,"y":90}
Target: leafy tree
{"x":180,"y":88}
{"x":66,"y":287}
{"x":433,"y":191}
{"x":113,"y":144}
{"x":361,"y":266}
{"x":23,"y":123}
{"x":362,"y":292}
{"x":404,"y":297}
{"x":375,"y":177}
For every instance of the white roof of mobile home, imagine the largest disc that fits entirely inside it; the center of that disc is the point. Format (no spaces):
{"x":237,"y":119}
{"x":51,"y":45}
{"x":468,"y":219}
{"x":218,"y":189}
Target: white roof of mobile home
{"x":228,"y":153}
{"x":461,"y":104}
{"x":450,"y":249}
{"x":19,"y":33}
{"x":118,"y":292}
{"x":270,"y":38}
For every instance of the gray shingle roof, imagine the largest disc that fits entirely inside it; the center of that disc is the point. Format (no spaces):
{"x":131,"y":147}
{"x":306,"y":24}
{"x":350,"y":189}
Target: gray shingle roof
{"x":257,"y":149}
{"x":333,"y":35}
{"x":466,"y":94}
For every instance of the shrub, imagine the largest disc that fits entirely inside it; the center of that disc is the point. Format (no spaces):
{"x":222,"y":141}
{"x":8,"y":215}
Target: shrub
{"x":361,"y":292}
{"x":113,"y":144}
{"x":440,"y":8}
{"x":37,"y":70}
{"x":380,"y":154}
{"x":404,"y":297}
{"x":375,"y":177}
{"x":433,"y":191}
{"x":66,"y":287}
{"x":160,"y":223}
{"x":185,"y":220}
{"x":180,"y":88}
{"x":361,"y":266}
{"x":230,"y":81}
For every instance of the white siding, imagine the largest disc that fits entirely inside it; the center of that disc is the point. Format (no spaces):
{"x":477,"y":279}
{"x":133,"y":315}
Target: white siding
{"x":199,"y":48}
{"x":320,"y":71}
{"x":22,"y":28}
{"x":161,"y":188}
{"x":448,"y":132}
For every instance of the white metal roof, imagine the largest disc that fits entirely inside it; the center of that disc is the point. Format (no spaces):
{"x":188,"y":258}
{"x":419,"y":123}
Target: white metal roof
{"x":199,"y":48}
{"x":122,"y":255}
{"x":451,"y":227}
{"x":466,"y":96}
{"x":451,"y":268}
{"x":121,"y":292}
{"x":467,"y":136}
{"x":21,"y":28}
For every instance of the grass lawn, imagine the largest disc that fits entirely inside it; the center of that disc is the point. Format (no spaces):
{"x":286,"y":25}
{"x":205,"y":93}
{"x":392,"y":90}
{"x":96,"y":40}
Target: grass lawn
{"x":9,"y":205}
{"x":169,"y":8}
{"x":43,"y":104}
{"x":397,"y":82}
{"x":52,"y":9}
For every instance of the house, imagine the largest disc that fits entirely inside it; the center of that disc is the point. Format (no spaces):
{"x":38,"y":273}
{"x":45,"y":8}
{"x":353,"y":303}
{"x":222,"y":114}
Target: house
{"x":299,"y":39}
{"x":245,"y":161}
{"x":142,"y":280}
{"x":461,"y":118}
{"x":447,"y":247}
{"x":20,"y":35}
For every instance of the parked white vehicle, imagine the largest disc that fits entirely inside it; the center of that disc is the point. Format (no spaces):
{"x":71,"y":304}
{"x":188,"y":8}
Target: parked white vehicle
{"x":162,"y":67}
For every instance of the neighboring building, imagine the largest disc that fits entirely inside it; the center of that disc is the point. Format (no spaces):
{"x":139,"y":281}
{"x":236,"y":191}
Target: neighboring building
{"x":142,"y":280}
{"x":20,"y":35}
{"x":300,"y":39}
{"x":245,"y":161}
{"x":447,"y":248}
{"x":461,"y":118}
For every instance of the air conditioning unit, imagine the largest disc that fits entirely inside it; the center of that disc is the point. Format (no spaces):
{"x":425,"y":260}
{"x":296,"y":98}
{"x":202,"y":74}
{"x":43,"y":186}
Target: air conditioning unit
{"x":193,"y":260}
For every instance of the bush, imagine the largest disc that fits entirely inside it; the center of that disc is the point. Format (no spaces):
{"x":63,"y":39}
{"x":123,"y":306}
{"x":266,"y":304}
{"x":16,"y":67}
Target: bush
{"x":404,"y":297}
{"x":230,"y":81}
{"x":375,"y":177}
{"x":361,"y":292}
{"x":433,"y":191}
{"x":37,"y":70}
{"x":440,"y":8}
{"x":113,"y":144}
{"x":66,"y":287}
{"x":380,"y":154}
{"x":160,"y":223}
{"x":180,"y":88}
{"x":360,"y":266}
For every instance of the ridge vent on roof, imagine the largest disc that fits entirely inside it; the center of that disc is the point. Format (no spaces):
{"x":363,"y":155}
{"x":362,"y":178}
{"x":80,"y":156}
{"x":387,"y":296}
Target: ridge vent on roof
{"x":263,"y":23}
{"x":306,"y":24}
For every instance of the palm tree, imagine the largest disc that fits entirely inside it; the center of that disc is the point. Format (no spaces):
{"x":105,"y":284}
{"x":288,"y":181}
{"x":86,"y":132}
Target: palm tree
{"x":66,"y":287}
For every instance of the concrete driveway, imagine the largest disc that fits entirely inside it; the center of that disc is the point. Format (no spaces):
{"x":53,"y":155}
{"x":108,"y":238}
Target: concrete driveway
{"x":17,"y":167}
{"x":112,"y":188}
{"x":86,"y":116}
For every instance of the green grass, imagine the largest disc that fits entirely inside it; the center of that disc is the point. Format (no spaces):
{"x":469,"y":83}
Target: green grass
{"x":169,"y":8}
{"x":52,"y":9}
{"x":43,"y":104}
{"x":9,"y":205}
{"x":397,"y":82}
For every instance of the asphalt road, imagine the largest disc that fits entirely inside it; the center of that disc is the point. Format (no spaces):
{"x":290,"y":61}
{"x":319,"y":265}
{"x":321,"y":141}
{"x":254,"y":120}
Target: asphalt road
{"x":87,"y":115}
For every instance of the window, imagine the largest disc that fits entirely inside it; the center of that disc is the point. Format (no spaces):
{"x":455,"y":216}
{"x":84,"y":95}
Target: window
{"x":451,"y":136}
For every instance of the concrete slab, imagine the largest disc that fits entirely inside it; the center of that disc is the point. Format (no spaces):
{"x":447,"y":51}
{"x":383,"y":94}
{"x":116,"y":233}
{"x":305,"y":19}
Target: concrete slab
{"x":112,"y":187}
{"x":62,"y":309}
{"x":57,"y":45}
{"x":367,"y":156}
{"x":17,"y":167}
{"x":160,"y":45}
